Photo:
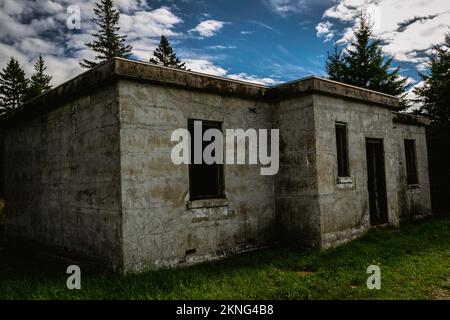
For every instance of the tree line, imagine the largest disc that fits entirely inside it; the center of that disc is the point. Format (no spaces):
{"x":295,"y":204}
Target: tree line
{"x":15,"y":88}
{"x":362,"y":63}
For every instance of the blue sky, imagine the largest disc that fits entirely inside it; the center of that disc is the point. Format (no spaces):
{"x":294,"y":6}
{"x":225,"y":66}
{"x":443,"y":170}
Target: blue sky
{"x":256,"y":39}
{"x":264,"y":41}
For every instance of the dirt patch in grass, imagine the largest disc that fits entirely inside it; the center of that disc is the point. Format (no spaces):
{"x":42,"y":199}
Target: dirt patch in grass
{"x":303,"y":274}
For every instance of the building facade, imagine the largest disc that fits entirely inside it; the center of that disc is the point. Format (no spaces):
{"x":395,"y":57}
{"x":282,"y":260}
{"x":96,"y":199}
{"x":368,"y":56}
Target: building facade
{"x":88,"y":170}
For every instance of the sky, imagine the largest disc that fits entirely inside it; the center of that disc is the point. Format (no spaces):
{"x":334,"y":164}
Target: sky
{"x":261,"y":41}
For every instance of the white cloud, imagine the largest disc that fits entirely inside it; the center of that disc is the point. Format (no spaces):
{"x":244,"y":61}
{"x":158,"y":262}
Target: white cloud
{"x":410,"y":81}
{"x":253,"y":79}
{"x":11,"y":7}
{"x":324,"y":30}
{"x":43,"y":24}
{"x":145,"y":24}
{"x":205,"y":66}
{"x":347,"y":36}
{"x":345,"y":10}
{"x":62,"y":69}
{"x":7,"y":51}
{"x":130,"y":5}
{"x":423,"y":66}
{"x":143,"y":48}
{"x":208,"y":28}
{"x":408,"y":27}
{"x":49,"y":6}
{"x":36,"y":46}
{"x":417,"y":37}
{"x":221,"y":47}
{"x":413,"y":98}
{"x":287,"y":6}
{"x":266,"y":26}
{"x":12,"y":29}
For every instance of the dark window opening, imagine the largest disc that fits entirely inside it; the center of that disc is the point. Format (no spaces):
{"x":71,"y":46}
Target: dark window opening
{"x":411,"y":166}
{"x":342,"y":150}
{"x":205,"y":181}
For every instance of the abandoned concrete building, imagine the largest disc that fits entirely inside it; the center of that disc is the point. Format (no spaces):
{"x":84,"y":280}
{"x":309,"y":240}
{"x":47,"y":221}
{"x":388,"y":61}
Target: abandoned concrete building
{"x":88,"y":170}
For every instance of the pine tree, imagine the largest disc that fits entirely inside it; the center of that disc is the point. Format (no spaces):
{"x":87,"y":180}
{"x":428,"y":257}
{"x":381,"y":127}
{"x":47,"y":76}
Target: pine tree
{"x":108,"y":43}
{"x":164,"y":55}
{"x":362,"y":64}
{"x":13,"y":86}
{"x":40,"y":82}
{"x":434,"y":96}
{"x":435,"y":93}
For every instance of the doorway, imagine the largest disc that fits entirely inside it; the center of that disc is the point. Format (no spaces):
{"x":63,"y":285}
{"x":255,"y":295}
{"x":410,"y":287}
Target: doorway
{"x":376,"y":182}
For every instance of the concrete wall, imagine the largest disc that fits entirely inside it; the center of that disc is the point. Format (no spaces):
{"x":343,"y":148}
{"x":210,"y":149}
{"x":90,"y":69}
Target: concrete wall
{"x":297,"y":202}
{"x":158,"y":228}
{"x":414,"y":201}
{"x":63,"y":180}
{"x":344,"y":208}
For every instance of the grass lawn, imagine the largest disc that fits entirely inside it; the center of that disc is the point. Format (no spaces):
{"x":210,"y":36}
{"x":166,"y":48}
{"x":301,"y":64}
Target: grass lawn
{"x":414,"y":261}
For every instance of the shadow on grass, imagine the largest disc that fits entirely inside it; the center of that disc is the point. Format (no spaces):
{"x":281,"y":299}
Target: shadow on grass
{"x":277,"y":273}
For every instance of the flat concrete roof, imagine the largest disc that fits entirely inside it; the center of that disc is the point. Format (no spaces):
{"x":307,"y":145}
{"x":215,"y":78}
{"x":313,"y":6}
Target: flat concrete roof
{"x":411,"y":119}
{"x":119,"y":68}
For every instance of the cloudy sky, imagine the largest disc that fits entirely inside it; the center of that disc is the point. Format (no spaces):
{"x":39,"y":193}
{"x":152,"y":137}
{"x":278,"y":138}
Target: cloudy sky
{"x":264,"y":41}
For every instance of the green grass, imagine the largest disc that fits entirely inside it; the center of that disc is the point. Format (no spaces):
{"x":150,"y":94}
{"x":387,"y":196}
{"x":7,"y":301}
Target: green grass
{"x":414,"y":261}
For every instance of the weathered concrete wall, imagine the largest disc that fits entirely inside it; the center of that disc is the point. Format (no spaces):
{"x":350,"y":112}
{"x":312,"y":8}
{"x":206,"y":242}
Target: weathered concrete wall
{"x":414,"y":200}
{"x":344,"y":208}
{"x":63,"y":178}
{"x":92,"y":171}
{"x":158,"y":228}
{"x":297,"y":203}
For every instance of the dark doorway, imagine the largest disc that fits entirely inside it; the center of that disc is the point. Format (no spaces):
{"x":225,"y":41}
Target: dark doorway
{"x":376,"y":180}
{"x":438,"y":142}
{"x":2,"y":168}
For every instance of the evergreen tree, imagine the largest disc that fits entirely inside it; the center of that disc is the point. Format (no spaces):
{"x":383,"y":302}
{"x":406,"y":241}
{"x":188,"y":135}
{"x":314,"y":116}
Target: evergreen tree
{"x":164,"y":55}
{"x":362,"y":64}
{"x":40,"y":82}
{"x":108,"y":43}
{"x":435,"y":93}
{"x":13,"y":86}
{"x":434,"y":97}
